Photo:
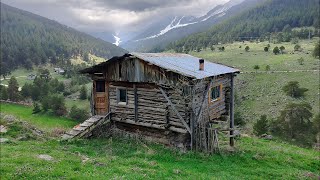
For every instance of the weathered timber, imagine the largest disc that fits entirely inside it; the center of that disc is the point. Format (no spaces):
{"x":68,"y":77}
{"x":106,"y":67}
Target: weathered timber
{"x":173,"y":107}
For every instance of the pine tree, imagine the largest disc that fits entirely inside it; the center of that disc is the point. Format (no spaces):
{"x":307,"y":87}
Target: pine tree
{"x":83,"y":92}
{"x":261,"y":126}
{"x":13,"y":89}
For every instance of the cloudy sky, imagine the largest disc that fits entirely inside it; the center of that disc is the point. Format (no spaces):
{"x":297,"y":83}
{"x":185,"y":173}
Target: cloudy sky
{"x":117,"y":16}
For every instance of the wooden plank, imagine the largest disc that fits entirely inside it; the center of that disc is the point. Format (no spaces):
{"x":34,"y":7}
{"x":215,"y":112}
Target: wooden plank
{"x":135,"y":103}
{"x":175,"y":110}
{"x":204,"y":100}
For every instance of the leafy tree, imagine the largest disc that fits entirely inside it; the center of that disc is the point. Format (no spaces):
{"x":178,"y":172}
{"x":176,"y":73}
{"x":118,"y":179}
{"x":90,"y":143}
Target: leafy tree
{"x":256,"y":67}
{"x":282,"y":48}
{"x":13,"y":89}
{"x":316,"y":127}
{"x":294,"y":123}
{"x":266,"y":49}
{"x":78,"y":114}
{"x":292,"y":89}
{"x":26,"y":90}
{"x":212,"y":48}
{"x":276,"y":50}
{"x":261,"y":126}
{"x":267,"y":68}
{"x":300,"y":61}
{"x":36,"y":108}
{"x":316,"y":50}
{"x":83,"y":92}
{"x":3,"y":93}
{"x":297,"y":47}
{"x":247,"y":48}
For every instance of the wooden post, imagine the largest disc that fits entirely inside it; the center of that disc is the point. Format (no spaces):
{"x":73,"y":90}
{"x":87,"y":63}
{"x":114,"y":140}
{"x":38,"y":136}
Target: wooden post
{"x":135,"y":103}
{"x":232,"y":111}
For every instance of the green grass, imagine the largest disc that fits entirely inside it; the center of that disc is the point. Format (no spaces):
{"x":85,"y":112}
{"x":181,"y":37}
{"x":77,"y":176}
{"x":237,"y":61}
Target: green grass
{"x":239,"y":58}
{"x":127,"y":159}
{"x":261,"y":93}
{"x":43,"y":121}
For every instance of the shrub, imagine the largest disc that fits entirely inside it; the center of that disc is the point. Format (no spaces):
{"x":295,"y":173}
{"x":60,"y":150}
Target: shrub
{"x":282,"y":48}
{"x":36,"y":108}
{"x":83,"y":92}
{"x":247,"y":48}
{"x":78,"y":114}
{"x":267,"y":68}
{"x":276,"y":50}
{"x":297,"y":47}
{"x":316,"y":50}
{"x":238,"y":119}
{"x":292,"y":89}
{"x":261,"y":126}
{"x":266,"y":49}
{"x":256,"y":67}
{"x":3,"y":93}
{"x":300,"y":61}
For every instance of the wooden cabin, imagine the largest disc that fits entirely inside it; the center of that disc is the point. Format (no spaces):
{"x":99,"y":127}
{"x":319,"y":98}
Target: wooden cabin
{"x":165,"y":97}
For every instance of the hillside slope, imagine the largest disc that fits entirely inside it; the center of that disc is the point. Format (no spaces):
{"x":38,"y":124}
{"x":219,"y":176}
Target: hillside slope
{"x":115,"y":158}
{"x":269,"y":17}
{"x":169,"y":29}
{"x":28,"y":39}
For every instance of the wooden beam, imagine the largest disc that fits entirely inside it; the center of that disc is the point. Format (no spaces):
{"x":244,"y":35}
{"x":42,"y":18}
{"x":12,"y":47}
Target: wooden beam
{"x":175,"y":110}
{"x":232,"y":110}
{"x":135,"y":103}
{"x":204,"y":100}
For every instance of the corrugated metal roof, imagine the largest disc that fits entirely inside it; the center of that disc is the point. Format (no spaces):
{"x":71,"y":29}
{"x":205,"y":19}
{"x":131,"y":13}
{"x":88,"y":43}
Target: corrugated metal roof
{"x":185,"y":64}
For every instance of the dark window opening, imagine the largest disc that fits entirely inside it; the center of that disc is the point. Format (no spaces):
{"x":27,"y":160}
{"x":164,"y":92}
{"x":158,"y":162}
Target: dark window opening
{"x":120,"y":69}
{"x":122,"y":96}
{"x":215,"y":93}
{"x":100,"y":86}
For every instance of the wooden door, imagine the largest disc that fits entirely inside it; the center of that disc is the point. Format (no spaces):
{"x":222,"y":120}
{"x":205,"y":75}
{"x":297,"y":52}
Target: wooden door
{"x":101,"y":102}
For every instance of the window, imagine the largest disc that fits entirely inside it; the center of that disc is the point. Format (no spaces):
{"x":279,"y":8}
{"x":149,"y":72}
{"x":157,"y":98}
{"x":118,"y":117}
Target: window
{"x":100,"y":86}
{"x":215,"y":93}
{"x":122,"y":96}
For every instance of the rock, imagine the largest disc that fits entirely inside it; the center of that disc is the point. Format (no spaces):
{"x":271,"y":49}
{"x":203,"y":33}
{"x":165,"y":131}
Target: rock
{"x":266,"y":136}
{"x":45,"y":157}
{"x":3,"y":129}
{"x":3,"y":140}
{"x":9,"y":118}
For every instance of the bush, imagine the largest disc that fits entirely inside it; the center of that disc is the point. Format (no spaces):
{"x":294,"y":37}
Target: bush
{"x":238,"y":119}
{"x":276,"y":50}
{"x":292,"y":89}
{"x":266,"y":49}
{"x":36,"y":108}
{"x":55,"y":103}
{"x":78,"y":114}
{"x":247,"y":48}
{"x":282,"y":48}
{"x":300,"y":61}
{"x":267,"y":68}
{"x":256,"y":67}
{"x":3,"y":93}
{"x":261,"y":126}
{"x":83,"y":92}
{"x":297,"y":47}
{"x":316,"y":50}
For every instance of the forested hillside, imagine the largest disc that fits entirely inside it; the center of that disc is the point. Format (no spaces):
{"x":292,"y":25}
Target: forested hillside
{"x":272,"y":19}
{"x":28,"y":39}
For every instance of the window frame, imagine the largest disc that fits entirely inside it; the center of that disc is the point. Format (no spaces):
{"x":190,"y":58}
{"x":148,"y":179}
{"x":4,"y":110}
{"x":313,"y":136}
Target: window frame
{"x":219,"y":87}
{"x":118,"y":96}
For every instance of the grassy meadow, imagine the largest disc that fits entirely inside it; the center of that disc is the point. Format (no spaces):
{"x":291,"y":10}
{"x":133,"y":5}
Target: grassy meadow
{"x":116,"y":158}
{"x":260,"y":92}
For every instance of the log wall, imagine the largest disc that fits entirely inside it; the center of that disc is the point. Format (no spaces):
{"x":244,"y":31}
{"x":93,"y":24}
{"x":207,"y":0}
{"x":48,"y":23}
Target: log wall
{"x":152,"y":107}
